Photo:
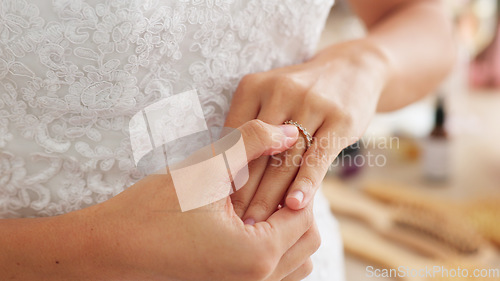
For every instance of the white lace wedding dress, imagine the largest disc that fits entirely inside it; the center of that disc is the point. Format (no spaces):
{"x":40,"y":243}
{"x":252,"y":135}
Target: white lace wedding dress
{"x":73,"y":72}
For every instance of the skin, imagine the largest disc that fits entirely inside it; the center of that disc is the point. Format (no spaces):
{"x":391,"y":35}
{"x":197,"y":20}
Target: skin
{"x":141,"y":234}
{"x":335,"y":94}
{"x":406,"y":53}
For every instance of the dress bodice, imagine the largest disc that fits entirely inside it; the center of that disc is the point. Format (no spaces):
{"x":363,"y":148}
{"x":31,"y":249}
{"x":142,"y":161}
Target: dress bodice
{"x":73,"y":72}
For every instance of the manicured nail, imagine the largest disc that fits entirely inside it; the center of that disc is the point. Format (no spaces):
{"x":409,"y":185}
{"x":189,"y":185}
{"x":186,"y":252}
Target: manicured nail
{"x":249,"y":221}
{"x":297,"y":195}
{"x":291,"y":132}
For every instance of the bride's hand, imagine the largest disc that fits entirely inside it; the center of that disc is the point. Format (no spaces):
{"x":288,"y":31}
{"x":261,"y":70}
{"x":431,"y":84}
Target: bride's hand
{"x":334,"y":95}
{"x":141,"y":234}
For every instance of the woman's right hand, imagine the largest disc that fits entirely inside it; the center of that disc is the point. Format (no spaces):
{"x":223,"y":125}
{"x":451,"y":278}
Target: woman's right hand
{"x":141,"y":234}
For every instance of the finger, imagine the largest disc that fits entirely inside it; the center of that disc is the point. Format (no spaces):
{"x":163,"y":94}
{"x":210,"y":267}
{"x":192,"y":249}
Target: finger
{"x":242,"y":198}
{"x":230,"y":155}
{"x":286,"y":226}
{"x":259,"y":139}
{"x":267,"y":193}
{"x":244,"y":105}
{"x":300,"y":273}
{"x":299,"y":253}
{"x":279,"y":174}
{"x":314,"y":166}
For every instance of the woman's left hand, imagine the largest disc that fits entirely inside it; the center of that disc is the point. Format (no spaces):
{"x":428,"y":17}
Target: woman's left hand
{"x":334,"y":96}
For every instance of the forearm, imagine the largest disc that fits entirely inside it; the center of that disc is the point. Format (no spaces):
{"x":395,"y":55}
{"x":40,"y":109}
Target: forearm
{"x":413,"y":40}
{"x":53,"y":248}
{"x":418,"y":42}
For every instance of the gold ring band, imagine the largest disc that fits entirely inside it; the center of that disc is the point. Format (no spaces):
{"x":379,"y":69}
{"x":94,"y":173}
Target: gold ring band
{"x":302,"y":131}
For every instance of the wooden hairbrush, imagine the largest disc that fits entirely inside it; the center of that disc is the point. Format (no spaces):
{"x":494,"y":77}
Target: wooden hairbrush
{"x":428,"y":231}
{"x":363,"y":242}
{"x":483,"y":214}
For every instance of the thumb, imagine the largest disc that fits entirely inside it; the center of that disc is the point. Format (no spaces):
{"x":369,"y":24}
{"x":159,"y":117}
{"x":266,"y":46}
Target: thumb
{"x":261,"y":138}
{"x":287,"y":226}
{"x":250,"y":141}
{"x":254,"y":139}
{"x":199,"y":183}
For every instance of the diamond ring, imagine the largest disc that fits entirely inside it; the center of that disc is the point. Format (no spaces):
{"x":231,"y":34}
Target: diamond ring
{"x":303,"y":131}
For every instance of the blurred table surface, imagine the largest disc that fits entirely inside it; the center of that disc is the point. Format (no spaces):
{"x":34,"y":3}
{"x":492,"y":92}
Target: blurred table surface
{"x":408,"y":175}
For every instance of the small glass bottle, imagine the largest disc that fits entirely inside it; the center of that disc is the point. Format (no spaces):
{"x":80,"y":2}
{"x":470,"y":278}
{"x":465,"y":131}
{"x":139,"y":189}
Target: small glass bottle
{"x":435,"y":156}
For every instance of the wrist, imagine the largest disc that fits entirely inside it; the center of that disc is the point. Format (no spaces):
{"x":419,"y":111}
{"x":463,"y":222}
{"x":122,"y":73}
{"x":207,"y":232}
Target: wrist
{"x":118,"y":237}
{"x":376,"y":58}
{"x":364,"y":55}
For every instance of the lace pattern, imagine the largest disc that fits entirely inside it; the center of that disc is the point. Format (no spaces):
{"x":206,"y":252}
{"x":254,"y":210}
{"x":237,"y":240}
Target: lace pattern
{"x":73,"y":72}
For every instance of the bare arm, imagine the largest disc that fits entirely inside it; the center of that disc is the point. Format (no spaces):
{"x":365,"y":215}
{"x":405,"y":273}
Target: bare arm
{"x":415,"y":38}
{"x":142,"y":234}
{"x":55,"y":248}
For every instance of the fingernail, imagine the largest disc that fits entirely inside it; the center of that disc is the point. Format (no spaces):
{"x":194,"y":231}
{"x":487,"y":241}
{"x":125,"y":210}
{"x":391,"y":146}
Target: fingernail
{"x":297,"y":195}
{"x":289,"y":130}
{"x":249,"y":221}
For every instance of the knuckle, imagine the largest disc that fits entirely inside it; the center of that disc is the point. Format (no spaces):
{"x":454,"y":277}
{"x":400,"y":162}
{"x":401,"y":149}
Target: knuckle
{"x":271,"y":250}
{"x":287,"y":84}
{"x":261,"y":206}
{"x":313,"y":239}
{"x":261,"y":269}
{"x":319,"y":154}
{"x":259,"y":129}
{"x":307,"y":268}
{"x":339,"y":113}
{"x":307,"y":182}
{"x":309,"y":216}
{"x":316,"y":239}
{"x":284,"y":80}
{"x":253,"y":167}
{"x":257,"y":125}
{"x":247,"y":85}
{"x":315,"y":99}
{"x":262,"y":265}
{"x":281,"y":168}
{"x":346,"y":118}
{"x":238,"y":204}
{"x":248,"y":79}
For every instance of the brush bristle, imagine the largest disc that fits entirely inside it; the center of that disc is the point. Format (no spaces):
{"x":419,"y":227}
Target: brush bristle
{"x":439,"y":225}
{"x":485,"y":215}
{"x":429,"y":217}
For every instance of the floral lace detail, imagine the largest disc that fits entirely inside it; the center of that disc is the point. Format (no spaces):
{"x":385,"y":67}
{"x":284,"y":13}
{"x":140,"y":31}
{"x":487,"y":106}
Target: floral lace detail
{"x":73,"y":73}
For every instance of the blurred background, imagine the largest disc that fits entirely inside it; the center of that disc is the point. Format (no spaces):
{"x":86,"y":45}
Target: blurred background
{"x":422,"y":187}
